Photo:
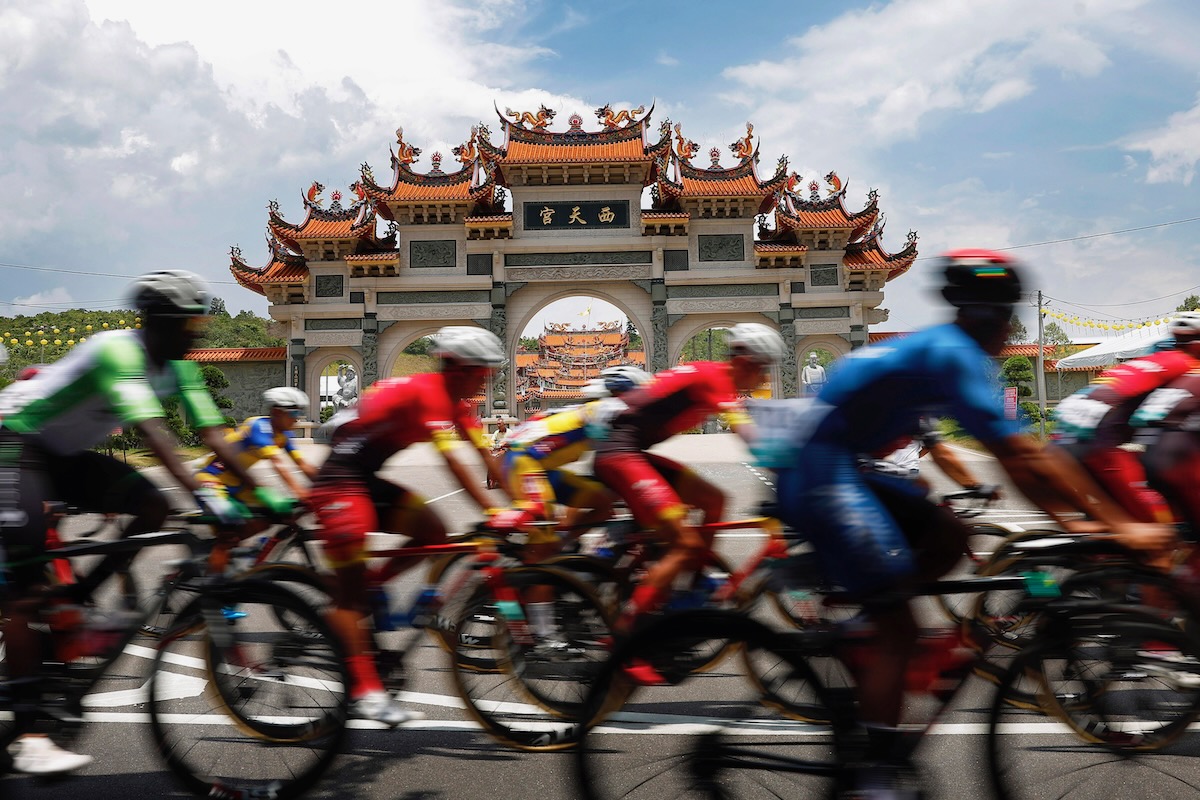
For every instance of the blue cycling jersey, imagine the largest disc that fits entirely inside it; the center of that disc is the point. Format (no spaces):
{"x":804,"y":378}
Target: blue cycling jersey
{"x":880,"y":393}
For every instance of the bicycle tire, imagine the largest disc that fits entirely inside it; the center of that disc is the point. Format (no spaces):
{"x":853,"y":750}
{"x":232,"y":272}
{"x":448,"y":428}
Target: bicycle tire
{"x":1027,"y":747}
{"x":525,"y":694}
{"x":259,"y":709}
{"x":984,"y":540}
{"x":705,"y":735}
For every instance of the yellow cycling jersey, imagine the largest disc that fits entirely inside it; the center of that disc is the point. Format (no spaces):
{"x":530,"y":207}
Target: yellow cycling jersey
{"x":253,"y":440}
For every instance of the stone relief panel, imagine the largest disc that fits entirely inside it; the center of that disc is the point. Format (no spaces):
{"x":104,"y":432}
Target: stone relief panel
{"x":435,"y":253}
{"x":724,"y":290}
{"x":343,"y":324}
{"x":721,"y":247}
{"x":813,"y":326}
{"x":247,"y":381}
{"x":436,"y":312}
{"x":787,"y":370}
{"x":329,"y":285}
{"x":333,"y":338}
{"x":410,"y":298}
{"x":716,"y":306}
{"x":533,"y":274}
{"x":577,"y":259}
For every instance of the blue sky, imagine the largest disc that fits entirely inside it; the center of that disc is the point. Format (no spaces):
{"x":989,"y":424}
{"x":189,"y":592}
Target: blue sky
{"x":141,"y":135}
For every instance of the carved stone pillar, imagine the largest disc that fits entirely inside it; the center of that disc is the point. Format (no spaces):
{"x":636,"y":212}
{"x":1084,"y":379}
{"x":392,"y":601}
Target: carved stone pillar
{"x":788,"y":373}
{"x":658,"y":321}
{"x":498,"y":324}
{"x":370,"y":351}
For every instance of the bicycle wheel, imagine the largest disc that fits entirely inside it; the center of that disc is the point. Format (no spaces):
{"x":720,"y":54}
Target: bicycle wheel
{"x":298,"y":579}
{"x":705,"y":735}
{"x":250,"y":706}
{"x":1127,"y":722}
{"x":525,"y":689}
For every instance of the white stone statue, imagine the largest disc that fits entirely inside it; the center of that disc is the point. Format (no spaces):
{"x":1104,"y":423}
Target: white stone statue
{"x":347,"y":393}
{"x":812,"y":376}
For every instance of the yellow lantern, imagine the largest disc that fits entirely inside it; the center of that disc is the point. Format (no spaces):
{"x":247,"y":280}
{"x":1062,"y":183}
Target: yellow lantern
{"x":106,"y":325}
{"x":41,"y":333}
{"x":120,"y":322}
{"x":137,"y":324}
{"x":14,"y":341}
{"x":70,"y":330}
{"x":88,"y":328}
{"x":44,"y":343}
{"x":29,"y":342}
{"x":70,"y":342}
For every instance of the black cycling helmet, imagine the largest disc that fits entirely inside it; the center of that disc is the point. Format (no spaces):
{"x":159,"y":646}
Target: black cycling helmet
{"x":980,"y":278}
{"x":170,"y":293}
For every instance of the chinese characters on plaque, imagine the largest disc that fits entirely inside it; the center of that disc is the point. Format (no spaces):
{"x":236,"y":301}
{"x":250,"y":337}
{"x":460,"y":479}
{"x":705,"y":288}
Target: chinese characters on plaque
{"x":577,"y":215}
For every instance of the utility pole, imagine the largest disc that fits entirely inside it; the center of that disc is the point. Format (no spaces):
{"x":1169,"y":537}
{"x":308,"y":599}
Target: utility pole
{"x":1041,"y":366}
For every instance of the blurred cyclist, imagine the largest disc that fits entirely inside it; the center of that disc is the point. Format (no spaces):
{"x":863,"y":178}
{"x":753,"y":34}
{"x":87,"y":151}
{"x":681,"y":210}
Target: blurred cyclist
{"x":876,"y":534}
{"x":660,"y":491}
{"x":50,"y":423}
{"x":351,"y":500}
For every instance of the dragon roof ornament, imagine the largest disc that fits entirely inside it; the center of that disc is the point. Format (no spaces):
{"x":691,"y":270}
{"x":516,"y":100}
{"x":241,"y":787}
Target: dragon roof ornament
{"x":744,"y":148}
{"x":612,"y":120}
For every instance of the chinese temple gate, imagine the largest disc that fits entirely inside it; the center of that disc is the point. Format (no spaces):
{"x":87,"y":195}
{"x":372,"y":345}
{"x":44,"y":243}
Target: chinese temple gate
{"x":528,"y":216}
{"x":567,"y":358}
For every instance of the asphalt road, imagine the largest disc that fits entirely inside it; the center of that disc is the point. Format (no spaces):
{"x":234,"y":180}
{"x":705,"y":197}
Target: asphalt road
{"x":447,"y":756}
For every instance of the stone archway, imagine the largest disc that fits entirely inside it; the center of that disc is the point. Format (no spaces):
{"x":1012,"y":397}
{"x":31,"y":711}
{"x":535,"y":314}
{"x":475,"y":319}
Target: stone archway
{"x":315,"y":365}
{"x":692,"y":325}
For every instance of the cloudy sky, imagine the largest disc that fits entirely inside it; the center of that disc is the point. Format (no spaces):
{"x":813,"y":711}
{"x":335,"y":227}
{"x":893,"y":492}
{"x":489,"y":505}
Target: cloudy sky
{"x":138,"y":135}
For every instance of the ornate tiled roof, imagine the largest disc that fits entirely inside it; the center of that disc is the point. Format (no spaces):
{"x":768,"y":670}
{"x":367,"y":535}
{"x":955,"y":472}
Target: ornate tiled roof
{"x":284,"y":267}
{"x":868,"y":254}
{"x":355,"y":222}
{"x":527,"y":142}
{"x":223,"y":355}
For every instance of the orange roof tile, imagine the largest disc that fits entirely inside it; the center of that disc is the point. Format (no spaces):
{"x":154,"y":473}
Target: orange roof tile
{"x":556,"y":153}
{"x":373,"y":257}
{"x":222,"y":355}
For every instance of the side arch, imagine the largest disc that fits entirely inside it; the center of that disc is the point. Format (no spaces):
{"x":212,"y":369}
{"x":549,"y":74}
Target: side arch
{"x":317,"y":362}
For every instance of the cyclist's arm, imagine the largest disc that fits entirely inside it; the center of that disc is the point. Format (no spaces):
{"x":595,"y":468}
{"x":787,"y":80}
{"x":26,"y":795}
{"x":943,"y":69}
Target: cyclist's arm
{"x":1059,"y":486}
{"x":279,"y":461}
{"x":956,"y":470}
{"x":466,"y":480}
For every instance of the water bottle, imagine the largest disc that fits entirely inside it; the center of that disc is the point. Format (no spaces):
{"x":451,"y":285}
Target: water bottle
{"x":421,"y":614}
{"x":380,"y":612}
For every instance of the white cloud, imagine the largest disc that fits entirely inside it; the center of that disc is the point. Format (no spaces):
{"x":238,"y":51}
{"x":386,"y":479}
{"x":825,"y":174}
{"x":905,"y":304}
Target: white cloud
{"x":58,"y":296}
{"x":1174,"y":148}
{"x":667,"y":60}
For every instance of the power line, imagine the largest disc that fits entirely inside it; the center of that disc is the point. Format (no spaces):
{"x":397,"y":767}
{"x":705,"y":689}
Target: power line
{"x":32,"y":268}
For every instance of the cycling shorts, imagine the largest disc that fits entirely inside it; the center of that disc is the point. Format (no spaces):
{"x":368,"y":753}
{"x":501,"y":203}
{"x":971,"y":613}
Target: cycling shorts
{"x":30,"y":477}
{"x":646,"y":482}
{"x":537,"y":489}
{"x":1121,"y":474}
{"x":352,"y":506}
{"x":856,"y":521}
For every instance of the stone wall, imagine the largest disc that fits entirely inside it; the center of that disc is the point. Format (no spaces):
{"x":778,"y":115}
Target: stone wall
{"x":247,"y":381}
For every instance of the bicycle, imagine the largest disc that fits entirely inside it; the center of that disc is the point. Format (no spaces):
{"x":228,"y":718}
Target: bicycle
{"x":278,"y":697}
{"x":788,"y":733}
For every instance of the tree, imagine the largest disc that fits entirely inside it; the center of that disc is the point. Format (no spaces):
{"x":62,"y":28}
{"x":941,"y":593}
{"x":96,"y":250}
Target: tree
{"x":420,"y":347}
{"x":528,"y":343}
{"x":1018,"y":371}
{"x":1057,"y":338}
{"x":244,"y":330}
{"x":1018,"y":334}
{"x":635,"y":338}
{"x":1190,"y":303}
{"x":216,"y":307}
{"x":709,"y":345}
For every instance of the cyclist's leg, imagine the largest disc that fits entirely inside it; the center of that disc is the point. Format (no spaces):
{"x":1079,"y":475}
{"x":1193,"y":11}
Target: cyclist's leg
{"x":655,"y":505}
{"x":1174,"y":464}
{"x":861,"y":548}
{"x":937,"y":537}
{"x":24,"y":490}
{"x":1121,"y":474}
{"x":109,"y":487}
{"x":403,"y":511}
{"x":692,"y":489}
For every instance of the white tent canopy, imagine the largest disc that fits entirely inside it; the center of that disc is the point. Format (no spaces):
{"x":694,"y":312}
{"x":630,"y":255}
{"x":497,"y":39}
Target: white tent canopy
{"x":1138,"y":342}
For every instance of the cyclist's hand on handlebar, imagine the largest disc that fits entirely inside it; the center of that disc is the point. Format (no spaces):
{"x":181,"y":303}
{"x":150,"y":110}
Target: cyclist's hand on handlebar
{"x":229,"y":511}
{"x":275,"y":501}
{"x":989,"y":491}
{"x":1145,"y":536}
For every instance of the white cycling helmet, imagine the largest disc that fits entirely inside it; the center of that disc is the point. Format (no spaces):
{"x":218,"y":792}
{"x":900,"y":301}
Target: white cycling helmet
{"x":285,"y":397}
{"x":595,"y":389}
{"x":1185,"y":326}
{"x":468,"y":346}
{"x":170,"y":292}
{"x":760,"y":342}
{"x":620,"y":379}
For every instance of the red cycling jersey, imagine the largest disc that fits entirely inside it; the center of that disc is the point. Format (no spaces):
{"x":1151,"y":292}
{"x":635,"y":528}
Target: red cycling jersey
{"x":390,"y":416}
{"x":1100,"y":412}
{"x":396,"y":413}
{"x":674,"y":401}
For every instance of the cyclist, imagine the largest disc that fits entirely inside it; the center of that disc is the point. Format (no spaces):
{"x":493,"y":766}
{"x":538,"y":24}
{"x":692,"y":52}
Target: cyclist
{"x":904,"y":460}
{"x":261,"y":438}
{"x":50,"y":423}
{"x":1168,"y":423}
{"x":875,"y":534}
{"x":350,"y":499}
{"x":1094,"y":423}
{"x":535,"y":466}
{"x":658,"y":490}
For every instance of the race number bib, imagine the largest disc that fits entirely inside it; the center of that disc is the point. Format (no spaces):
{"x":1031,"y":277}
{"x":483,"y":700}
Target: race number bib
{"x":782,"y":427}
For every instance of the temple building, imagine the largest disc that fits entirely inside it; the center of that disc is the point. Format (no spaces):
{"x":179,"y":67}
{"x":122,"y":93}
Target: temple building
{"x":528,"y":215}
{"x":567,"y":358}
